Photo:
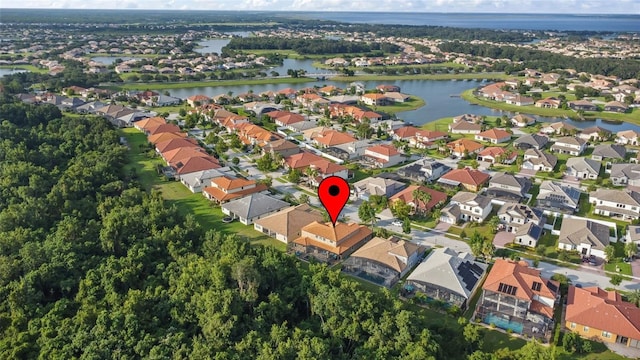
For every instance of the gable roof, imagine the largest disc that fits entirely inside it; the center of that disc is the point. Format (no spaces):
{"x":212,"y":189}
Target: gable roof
{"x":470,"y":199}
{"x":610,"y":151}
{"x":384,"y":149}
{"x":406,"y":195}
{"x":444,"y":267}
{"x":301,"y":160}
{"x":149,"y":123}
{"x":583,"y":164}
{"x":339,"y":239}
{"x":158,"y":138}
{"x":628,"y":197}
{"x":387,"y":252}
{"x":462,"y":145}
{"x":254,"y":205}
{"x":332,"y":137}
{"x":603,"y":310}
{"x":570,"y":140}
{"x":290,"y":222}
{"x":197,"y":164}
{"x":495,"y":134}
{"x":521,"y":278}
{"x":172,"y":144}
{"x":181,"y":154}
{"x":406,"y":131}
{"x":532,"y":139}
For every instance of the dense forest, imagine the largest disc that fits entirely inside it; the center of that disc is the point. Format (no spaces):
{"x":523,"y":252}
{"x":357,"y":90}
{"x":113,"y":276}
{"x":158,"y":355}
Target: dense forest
{"x":546,"y":61}
{"x":93,"y":267}
{"x":309,"y":46}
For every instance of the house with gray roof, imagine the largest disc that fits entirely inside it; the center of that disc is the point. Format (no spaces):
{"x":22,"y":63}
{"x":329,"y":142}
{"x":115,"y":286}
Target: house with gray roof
{"x":196,"y":181}
{"x":424,"y":170}
{"x":609,"y":152}
{"x":528,"y":234}
{"x":619,"y":204}
{"x":557,"y":196}
{"x":587,"y":237}
{"x":364,"y":188}
{"x":538,"y":160}
{"x":466,"y":206}
{"x":632,"y":234}
{"x":569,"y":145}
{"x":514,"y":215}
{"x":507,"y":187}
{"x":583,"y":168}
{"x":448,"y":276}
{"x":531,"y":141}
{"x":625,"y":174}
{"x":253,"y":207}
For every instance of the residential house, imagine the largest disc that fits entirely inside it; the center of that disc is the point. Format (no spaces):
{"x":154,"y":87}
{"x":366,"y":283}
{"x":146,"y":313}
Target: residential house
{"x":163,"y":128}
{"x":195,"y":164}
{"x":494,"y":136}
{"x":178,"y":155}
{"x":149,"y":123}
{"x":464,"y":147}
{"x":250,"y":208}
{"x":226,"y":188}
{"x":625,"y":174}
{"x":521,"y":120}
{"x":497,"y":155}
{"x":469,"y":179}
{"x":559,"y":128}
{"x":331,"y":137}
{"x":528,"y":234}
{"x":375,"y":99}
{"x":197,"y":100}
{"x":549,"y":103}
{"x":448,"y":276}
{"x":619,"y":204}
{"x":628,"y":137}
{"x":197,"y":181}
{"x":518,"y":100}
{"x":569,"y":145}
{"x":538,"y":160}
{"x":594,"y":133}
{"x":383,"y":156}
{"x":364,"y":188}
{"x":466,"y":206}
{"x":599,"y":314}
{"x":515,"y":215}
{"x":436,"y":198}
{"x":254,"y":135}
{"x":424,"y":170}
{"x":531,"y":141}
{"x":583,"y":168}
{"x":507,"y":187}
{"x":426,"y":139}
{"x":284,"y":118}
{"x":464,"y":127}
{"x":584,"y":236}
{"x":173,"y":144}
{"x":397,"y":97}
{"x":287,"y":224}
{"x":388,"y":88}
{"x":610,"y":152}
{"x":584,"y":105}
{"x":328,"y":243}
{"x":405,"y":133}
{"x":516,"y":297}
{"x":384,"y":261}
{"x":282,"y":147}
{"x":632,"y":234}
{"x":558,"y":196}
{"x":470,"y":118}
{"x":616,"y":106}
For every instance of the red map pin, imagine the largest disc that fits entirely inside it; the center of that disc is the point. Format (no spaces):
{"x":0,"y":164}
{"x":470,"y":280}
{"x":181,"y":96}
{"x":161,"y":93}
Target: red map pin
{"x":334,"y":194}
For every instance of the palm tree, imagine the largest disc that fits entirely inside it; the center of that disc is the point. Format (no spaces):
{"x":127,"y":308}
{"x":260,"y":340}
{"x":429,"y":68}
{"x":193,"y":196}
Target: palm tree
{"x":311,"y":173}
{"x":634,"y":297}
{"x":421,"y":195}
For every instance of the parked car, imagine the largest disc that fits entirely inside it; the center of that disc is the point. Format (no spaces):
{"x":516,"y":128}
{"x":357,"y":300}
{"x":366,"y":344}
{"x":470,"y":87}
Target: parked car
{"x":397,"y":222}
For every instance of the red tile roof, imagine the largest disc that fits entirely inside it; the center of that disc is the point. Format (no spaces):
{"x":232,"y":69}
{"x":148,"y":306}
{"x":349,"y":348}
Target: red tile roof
{"x":333,"y":137}
{"x":175,"y":144}
{"x":467,"y":176}
{"x":495,"y":134}
{"x":301,"y":160}
{"x":522,"y":277}
{"x":384,"y":149}
{"x":406,"y":195}
{"x":181,"y":154}
{"x":406,"y":132}
{"x":163,"y":129}
{"x":158,"y":138}
{"x":603,"y":310}
{"x":197,"y":164}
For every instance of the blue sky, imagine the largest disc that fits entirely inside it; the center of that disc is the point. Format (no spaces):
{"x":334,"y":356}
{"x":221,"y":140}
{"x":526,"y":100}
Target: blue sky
{"x":500,"y":6}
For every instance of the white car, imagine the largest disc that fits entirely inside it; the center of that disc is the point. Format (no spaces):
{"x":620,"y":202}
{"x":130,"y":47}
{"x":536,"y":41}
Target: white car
{"x":397,"y":223}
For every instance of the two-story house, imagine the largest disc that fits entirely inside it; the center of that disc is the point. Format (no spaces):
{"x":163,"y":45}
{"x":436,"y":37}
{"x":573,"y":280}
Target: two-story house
{"x":424,"y":170}
{"x":515,"y":215}
{"x":328,"y":243}
{"x":628,"y":137}
{"x":569,"y":145}
{"x":466,"y":206}
{"x":621,"y":204}
{"x":468,"y":179}
{"x":507,"y":187}
{"x":625,"y":174}
{"x":383,"y":156}
{"x":516,"y":297}
{"x":408,"y":196}
{"x":557,"y":196}
{"x":226,"y":188}
{"x":464,"y":147}
{"x":426,"y":139}
{"x":538,"y":160}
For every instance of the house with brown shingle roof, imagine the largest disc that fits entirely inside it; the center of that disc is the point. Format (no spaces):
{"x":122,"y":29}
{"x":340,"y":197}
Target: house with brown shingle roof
{"x":464,"y":127}
{"x":196,"y":100}
{"x":287,"y":225}
{"x":283,"y":147}
{"x":464,"y":147}
{"x":469,"y":179}
{"x":594,"y":313}
{"x":327,"y":243}
{"x":385,"y":260}
{"x":516,"y":297}
{"x":494,"y":136}
{"x":227,"y":188}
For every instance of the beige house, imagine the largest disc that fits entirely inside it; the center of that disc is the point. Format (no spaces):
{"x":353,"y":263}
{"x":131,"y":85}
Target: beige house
{"x":287,"y":225}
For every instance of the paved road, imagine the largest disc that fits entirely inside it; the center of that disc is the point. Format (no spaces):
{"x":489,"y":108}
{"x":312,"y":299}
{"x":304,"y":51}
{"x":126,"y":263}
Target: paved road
{"x":585,"y":277}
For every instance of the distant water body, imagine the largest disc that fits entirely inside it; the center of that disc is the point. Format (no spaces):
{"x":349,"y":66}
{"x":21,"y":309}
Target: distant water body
{"x":559,"y":22}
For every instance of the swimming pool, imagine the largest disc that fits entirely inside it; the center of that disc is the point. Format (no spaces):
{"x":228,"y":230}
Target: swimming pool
{"x":503,"y":323}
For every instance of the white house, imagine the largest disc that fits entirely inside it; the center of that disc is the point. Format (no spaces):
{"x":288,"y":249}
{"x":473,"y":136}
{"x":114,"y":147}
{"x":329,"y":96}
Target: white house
{"x":569,"y":145}
{"x":466,"y":206}
{"x":383,"y":156}
{"x":621,"y":204}
{"x":584,"y":236}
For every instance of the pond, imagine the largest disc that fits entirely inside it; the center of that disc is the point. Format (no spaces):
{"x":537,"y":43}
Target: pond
{"x":4,"y":72}
{"x":211,"y":46}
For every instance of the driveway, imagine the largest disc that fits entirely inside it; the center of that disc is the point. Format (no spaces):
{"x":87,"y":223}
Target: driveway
{"x":503,"y":238}
{"x":635,"y":267}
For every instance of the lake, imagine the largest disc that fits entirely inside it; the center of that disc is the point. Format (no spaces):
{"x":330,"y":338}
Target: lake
{"x":211,"y":46}
{"x":4,"y":72}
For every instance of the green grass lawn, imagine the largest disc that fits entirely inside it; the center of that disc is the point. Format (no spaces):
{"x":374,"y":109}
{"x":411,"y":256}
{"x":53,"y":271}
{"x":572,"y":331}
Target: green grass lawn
{"x":175,"y":193}
{"x":413,"y":103}
{"x":495,"y":340}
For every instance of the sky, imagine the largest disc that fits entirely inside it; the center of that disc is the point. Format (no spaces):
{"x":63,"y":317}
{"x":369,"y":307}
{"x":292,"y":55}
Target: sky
{"x":471,"y":6}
